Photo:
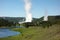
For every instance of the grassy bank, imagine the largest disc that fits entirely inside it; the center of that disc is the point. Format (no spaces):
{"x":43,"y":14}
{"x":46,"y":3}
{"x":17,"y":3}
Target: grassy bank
{"x":36,"y":33}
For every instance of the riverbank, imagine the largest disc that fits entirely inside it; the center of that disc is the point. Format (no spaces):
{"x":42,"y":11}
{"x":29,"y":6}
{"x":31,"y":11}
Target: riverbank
{"x":36,"y":33}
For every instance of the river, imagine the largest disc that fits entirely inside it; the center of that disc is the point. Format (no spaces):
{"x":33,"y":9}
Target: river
{"x":5,"y":32}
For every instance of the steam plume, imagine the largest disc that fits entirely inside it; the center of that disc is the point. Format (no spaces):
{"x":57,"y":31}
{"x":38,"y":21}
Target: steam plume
{"x":46,"y":16}
{"x":28,"y":10}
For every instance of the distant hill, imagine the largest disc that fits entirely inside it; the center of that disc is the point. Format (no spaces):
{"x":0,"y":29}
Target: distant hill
{"x":52,"y":19}
{"x":13,"y":19}
{"x":17,"y":19}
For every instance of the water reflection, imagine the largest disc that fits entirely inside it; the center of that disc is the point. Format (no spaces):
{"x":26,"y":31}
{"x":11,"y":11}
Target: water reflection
{"x":4,"y":32}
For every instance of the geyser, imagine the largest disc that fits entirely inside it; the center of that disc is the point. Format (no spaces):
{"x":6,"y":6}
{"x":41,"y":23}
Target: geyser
{"x":28,"y":10}
{"x":46,"y":16}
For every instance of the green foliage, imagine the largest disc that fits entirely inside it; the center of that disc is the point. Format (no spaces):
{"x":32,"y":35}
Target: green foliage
{"x":7,"y":23}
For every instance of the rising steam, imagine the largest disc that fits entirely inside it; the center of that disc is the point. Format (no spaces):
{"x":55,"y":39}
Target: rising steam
{"x":28,"y":10}
{"x":46,"y":16}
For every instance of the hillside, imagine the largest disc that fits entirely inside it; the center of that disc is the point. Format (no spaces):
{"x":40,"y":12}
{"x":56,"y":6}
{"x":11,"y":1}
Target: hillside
{"x":52,"y":19}
{"x":36,"y":33}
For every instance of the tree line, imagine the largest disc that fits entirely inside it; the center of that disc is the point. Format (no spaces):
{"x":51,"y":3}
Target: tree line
{"x":6,"y":23}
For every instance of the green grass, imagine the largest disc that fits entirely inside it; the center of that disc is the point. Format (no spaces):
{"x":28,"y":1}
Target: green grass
{"x":36,"y":33}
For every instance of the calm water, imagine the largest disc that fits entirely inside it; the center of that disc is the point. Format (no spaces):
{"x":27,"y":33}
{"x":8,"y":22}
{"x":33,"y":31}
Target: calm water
{"x":6,"y":32}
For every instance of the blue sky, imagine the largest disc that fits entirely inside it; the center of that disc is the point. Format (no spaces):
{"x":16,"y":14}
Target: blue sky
{"x":15,"y":8}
